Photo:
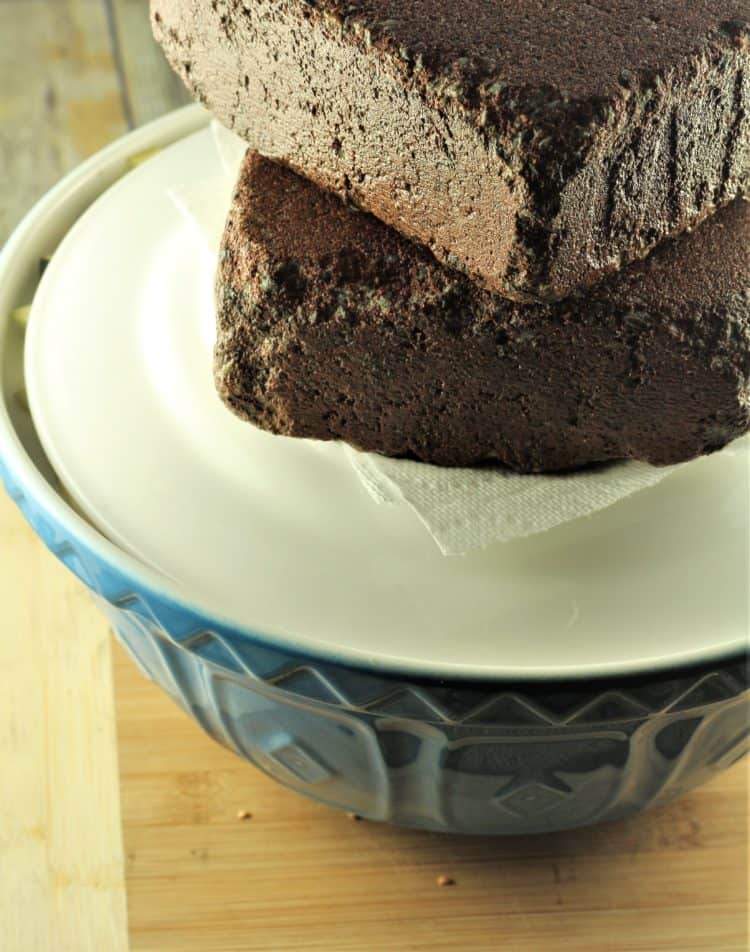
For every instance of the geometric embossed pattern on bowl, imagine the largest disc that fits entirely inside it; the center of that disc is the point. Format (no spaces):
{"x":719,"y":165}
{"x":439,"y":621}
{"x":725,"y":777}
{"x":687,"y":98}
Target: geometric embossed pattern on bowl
{"x":463,"y":757}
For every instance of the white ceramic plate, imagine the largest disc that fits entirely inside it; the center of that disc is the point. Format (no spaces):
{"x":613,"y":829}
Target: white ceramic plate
{"x":279,"y":536}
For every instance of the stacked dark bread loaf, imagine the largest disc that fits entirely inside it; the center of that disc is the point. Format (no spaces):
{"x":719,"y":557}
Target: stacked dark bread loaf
{"x":542,"y":256}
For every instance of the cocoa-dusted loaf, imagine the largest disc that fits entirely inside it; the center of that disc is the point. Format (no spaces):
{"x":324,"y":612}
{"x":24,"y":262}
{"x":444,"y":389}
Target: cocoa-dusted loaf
{"x":332,"y":325}
{"x":535,"y":145}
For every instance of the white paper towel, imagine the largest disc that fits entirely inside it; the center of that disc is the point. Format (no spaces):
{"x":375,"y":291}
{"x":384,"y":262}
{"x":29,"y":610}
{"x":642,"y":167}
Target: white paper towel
{"x":466,"y":509}
{"x":463,"y":509}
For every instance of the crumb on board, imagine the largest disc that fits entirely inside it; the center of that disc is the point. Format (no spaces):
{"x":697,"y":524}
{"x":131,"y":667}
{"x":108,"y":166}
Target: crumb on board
{"x":446,"y":880}
{"x":244,"y":815}
{"x":354,"y":816}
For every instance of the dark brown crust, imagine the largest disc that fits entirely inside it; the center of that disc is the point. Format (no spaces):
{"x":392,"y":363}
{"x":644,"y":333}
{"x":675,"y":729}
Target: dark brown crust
{"x":333,"y":326}
{"x":534,"y":145}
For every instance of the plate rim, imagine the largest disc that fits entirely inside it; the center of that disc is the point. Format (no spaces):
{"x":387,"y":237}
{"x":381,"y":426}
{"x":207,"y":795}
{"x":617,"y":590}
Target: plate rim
{"x":90,"y":180}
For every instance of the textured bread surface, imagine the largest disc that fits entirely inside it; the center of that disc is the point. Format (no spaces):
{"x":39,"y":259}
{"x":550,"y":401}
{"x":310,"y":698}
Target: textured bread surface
{"x":332,"y":325}
{"x":534,"y":145}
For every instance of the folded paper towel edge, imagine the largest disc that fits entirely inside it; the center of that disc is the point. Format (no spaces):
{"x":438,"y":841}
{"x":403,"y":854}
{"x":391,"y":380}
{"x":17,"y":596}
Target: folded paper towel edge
{"x":444,"y":514}
{"x":231,"y":148}
{"x":197,"y":203}
{"x":449,"y":531}
{"x":378,"y":485}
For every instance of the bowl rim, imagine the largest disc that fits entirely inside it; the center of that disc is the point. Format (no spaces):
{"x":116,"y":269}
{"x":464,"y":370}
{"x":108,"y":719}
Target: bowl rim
{"x":83,"y":185}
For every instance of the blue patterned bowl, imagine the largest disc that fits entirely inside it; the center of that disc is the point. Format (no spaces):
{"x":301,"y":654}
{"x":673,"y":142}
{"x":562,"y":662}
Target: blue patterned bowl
{"x":459,"y":756}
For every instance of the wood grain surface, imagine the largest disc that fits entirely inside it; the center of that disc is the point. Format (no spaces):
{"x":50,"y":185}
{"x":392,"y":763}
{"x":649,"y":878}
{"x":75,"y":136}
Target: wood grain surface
{"x":76,"y":834}
{"x":74,"y":75}
{"x":298,"y":875}
{"x":61,"y":870}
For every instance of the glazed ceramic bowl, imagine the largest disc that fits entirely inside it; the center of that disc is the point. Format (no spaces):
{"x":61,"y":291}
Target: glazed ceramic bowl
{"x":466,"y":750}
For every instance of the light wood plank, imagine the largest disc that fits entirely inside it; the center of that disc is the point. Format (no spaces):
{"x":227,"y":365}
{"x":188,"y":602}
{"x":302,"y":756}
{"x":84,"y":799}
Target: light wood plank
{"x":151,"y":87}
{"x":301,"y":876}
{"x":61,"y":865}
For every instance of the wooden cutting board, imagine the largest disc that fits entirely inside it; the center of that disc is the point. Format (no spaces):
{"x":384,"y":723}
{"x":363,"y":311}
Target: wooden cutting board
{"x":78,"y":832}
{"x":297,"y":875}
